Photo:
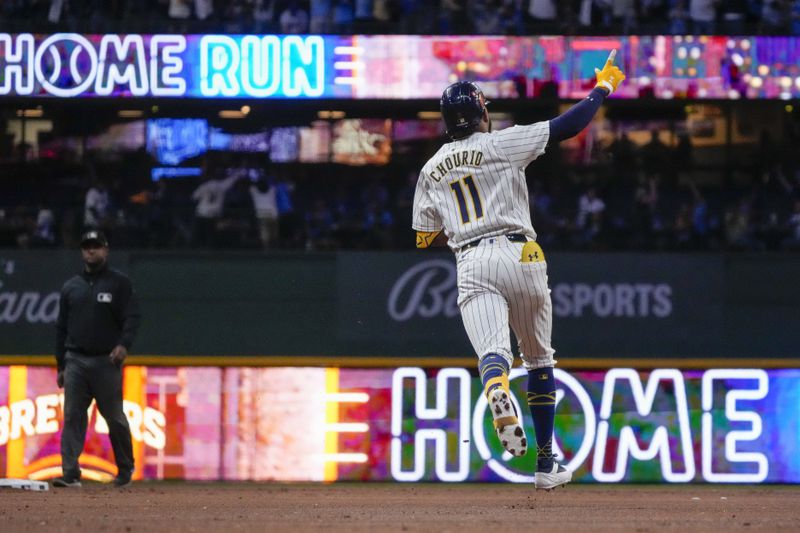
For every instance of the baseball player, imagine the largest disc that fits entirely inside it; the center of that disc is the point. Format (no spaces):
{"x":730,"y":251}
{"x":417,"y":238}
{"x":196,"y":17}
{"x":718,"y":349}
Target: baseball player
{"x":472,"y":196}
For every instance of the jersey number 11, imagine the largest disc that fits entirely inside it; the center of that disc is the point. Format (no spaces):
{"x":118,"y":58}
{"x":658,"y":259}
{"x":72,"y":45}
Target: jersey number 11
{"x":458,"y":189}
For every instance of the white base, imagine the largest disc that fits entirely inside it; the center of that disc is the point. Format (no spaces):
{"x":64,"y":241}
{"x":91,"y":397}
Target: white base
{"x":24,"y":484}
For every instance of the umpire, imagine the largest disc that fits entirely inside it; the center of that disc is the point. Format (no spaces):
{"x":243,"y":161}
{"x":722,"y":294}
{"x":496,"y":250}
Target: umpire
{"x":97,"y":322}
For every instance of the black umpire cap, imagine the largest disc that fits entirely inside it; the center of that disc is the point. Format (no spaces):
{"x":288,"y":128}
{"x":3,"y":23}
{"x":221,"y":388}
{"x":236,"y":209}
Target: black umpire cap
{"x":94,"y":236}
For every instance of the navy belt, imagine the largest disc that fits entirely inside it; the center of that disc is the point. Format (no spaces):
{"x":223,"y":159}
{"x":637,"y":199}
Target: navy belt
{"x":512,"y":237}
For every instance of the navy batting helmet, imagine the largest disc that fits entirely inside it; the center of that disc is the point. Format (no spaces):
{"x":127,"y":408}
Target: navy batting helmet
{"x":462,"y":108}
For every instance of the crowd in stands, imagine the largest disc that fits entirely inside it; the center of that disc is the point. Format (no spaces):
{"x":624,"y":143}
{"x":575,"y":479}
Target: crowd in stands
{"x":630,"y":197}
{"x":647,"y":198}
{"x":490,"y":17}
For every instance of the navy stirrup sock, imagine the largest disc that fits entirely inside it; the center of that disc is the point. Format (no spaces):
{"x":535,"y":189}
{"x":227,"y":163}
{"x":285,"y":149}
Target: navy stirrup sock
{"x":494,"y":372}
{"x":542,"y":403}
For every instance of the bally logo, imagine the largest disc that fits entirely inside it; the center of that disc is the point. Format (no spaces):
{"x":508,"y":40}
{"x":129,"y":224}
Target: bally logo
{"x":428,"y":289}
{"x":104,"y":297}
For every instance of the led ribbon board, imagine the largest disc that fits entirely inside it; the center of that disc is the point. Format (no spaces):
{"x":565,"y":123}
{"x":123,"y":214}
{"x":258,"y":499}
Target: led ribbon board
{"x":411,"y":424}
{"x":65,"y":65}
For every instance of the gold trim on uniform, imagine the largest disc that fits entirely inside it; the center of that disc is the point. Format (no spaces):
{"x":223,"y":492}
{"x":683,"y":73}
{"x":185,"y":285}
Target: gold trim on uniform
{"x":541,"y":399}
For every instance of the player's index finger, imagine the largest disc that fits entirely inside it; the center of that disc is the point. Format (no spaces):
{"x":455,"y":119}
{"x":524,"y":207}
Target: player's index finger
{"x":611,"y":56}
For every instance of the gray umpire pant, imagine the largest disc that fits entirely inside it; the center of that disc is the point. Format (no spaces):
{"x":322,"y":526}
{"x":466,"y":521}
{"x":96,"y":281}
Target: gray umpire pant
{"x":86,"y":378}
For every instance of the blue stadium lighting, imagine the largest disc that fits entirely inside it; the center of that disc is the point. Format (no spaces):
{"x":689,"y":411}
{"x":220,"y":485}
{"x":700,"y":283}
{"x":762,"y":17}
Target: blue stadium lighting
{"x":159,"y":173}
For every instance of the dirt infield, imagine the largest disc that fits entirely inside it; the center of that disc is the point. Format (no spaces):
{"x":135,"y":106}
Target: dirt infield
{"x":389,"y":507}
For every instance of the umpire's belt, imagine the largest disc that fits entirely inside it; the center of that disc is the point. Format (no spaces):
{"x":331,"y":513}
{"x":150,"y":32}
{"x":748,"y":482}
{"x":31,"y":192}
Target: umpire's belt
{"x":512,"y":237}
{"x":85,"y":353}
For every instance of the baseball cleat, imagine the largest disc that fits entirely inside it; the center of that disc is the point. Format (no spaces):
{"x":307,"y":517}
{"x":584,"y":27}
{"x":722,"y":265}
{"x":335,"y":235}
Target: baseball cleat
{"x":506,"y":423}
{"x":558,"y":476}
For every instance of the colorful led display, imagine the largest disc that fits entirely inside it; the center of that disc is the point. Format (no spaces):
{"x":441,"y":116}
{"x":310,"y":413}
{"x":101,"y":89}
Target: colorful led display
{"x":409,"y":424}
{"x":66,"y":65}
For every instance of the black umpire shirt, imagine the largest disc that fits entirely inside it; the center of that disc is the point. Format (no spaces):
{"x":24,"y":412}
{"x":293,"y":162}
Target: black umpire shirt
{"x":97,"y":311}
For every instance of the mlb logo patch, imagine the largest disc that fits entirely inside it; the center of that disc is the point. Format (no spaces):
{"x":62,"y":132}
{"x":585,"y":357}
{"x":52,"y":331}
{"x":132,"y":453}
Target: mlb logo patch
{"x":104,"y":297}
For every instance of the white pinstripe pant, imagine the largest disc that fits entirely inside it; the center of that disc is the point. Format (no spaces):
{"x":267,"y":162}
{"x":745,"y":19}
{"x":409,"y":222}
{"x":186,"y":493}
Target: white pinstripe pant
{"x":495,"y":291}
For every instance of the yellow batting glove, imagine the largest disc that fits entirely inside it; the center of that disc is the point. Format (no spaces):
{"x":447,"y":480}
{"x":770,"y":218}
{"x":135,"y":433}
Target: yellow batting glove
{"x":611,"y":76}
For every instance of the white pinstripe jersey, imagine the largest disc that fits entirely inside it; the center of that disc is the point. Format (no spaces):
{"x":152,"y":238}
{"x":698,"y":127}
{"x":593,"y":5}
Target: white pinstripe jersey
{"x":475,"y":187}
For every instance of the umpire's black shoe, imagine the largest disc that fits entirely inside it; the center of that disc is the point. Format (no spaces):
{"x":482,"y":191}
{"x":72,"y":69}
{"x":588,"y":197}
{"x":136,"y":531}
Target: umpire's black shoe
{"x":65,"y":482}
{"x":123,"y":480}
